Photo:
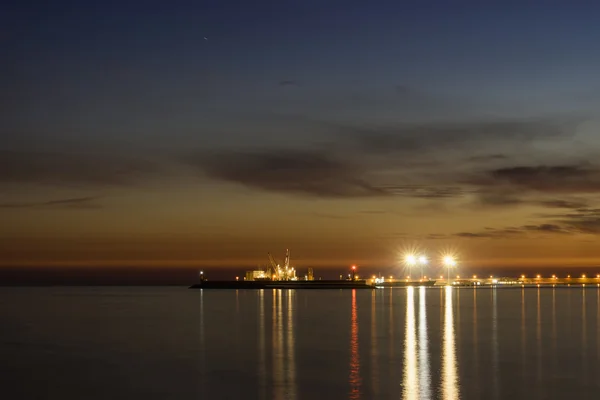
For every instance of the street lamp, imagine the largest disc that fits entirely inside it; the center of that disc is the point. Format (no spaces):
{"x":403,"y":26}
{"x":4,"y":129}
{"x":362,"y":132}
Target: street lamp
{"x":423,"y":261}
{"x":449,"y":262}
{"x":410,"y":260}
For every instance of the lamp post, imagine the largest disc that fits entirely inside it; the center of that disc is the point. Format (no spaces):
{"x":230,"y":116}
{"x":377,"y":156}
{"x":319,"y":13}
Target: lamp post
{"x":410,"y":261}
{"x":449,"y":262}
{"x":422,"y":261}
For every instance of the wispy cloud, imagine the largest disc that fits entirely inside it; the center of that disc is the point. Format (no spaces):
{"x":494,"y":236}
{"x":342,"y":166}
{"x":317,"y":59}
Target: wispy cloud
{"x":420,"y":139}
{"x":586,"y":220}
{"x":71,"y":169}
{"x":78,"y":203}
{"x":426,"y":192}
{"x":511,"y":232}
{"x":488,"y":158}
{"x":405,"y":160}
{"x":312,"y":173}
{"x":542,"y":178}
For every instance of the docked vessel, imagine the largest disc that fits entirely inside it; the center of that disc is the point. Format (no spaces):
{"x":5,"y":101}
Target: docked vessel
{"x":265,"y":284}
{"x":403,"y":283}
{"x":284,"y":276}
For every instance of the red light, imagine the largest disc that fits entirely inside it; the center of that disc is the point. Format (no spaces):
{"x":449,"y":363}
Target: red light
{"x":354,"y":267}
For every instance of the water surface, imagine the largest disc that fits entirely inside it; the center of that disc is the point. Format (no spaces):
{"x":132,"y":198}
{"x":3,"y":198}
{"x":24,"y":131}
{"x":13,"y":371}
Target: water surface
{"x":410,"y":343}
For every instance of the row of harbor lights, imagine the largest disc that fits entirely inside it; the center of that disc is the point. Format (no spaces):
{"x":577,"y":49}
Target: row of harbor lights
{"x":412,"y":260}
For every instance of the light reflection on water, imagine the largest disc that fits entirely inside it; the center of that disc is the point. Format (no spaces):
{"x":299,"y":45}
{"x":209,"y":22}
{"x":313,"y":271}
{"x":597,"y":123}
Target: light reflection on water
{"x":410,"y":383}
{"x":413,"y":343}
{"x":449,"y":363}
{"x":355,"y":378}
{"x":424,"y":374}
{"x":280,"y":344}
{"x":284,"y":360}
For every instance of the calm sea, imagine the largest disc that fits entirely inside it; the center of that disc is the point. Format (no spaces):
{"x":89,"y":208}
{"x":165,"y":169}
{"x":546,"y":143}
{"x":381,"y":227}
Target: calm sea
{"x":174,"y":343}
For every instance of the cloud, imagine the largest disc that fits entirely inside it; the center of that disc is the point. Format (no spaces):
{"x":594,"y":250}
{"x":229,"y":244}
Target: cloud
{"x":547,"y":179}
{"x":70,"y":169}
{"x":306,"y":172}
{"x":569,"y":204}
{"x":418,"y":139}
{"x":488,"y":158}
{"x":586,"y":220}
{"x":549,"y":228}
{"x":426,"y":192}
{"x":78,"y":203}
{"x":511,"y":232}
{"x":407,"y":160}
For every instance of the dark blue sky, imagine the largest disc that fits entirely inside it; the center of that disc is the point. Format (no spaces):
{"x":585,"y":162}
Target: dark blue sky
{"x":121,"y":107}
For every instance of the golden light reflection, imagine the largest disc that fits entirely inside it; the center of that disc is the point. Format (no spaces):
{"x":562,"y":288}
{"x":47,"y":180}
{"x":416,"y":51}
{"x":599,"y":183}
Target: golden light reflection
{"x":539,"y":338}
{"x":424,"y":373}
{"x":262,"y":365}
{"x":450,"y":388}
{"x":355,"y":379}
{"x":584,"y":339}
{"x":598,"y":321}
{"x":554,"y":333}
{"x":202,"y":341}
{"x":291,"y":347}
{"x":284,"y":362}
{"x":374,"y":351}
{"x":278,"y":353}
{"x":410,"y":385}
{"x":523,"y":333}
{"x":475,"y":341}
{"x":496,"y":388}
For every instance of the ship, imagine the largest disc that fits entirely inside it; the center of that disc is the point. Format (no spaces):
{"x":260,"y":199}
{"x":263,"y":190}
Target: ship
{"x":391,"y":283}
{"x":283,"y":276}
{"x":298,"y":284}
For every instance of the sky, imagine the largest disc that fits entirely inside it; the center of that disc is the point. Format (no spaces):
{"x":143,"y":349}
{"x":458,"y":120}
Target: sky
{"x":171,"y":136}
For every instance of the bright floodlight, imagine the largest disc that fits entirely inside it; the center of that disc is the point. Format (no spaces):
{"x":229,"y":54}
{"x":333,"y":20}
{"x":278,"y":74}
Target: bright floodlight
{"x":410,"y":259}
{"x":449,"y":261}
{"x":423,"y":260}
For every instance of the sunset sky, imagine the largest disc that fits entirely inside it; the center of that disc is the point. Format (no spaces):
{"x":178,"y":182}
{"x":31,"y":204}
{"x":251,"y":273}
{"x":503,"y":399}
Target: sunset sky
{"x":205,"y":134}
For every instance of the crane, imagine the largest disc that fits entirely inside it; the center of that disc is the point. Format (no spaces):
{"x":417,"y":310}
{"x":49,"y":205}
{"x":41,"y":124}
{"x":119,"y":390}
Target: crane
{"x":273,"y":268}
{"x":286,"y":273}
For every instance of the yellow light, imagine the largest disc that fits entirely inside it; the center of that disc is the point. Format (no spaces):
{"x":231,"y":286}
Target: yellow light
{"x":583,"y":276}
{"x":537,"y":276}
{"x":449,"y":261}
{"x":410,"y":259}
{"x":522,"y":276}
{"x":598,"y":276}
{"x":568,"y":276}
{"x":457,"y":276}
{"x":474,"y":276}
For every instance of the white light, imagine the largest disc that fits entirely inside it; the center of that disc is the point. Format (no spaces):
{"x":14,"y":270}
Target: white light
{"x":423,"y":260}
{"x":449,"y":261}
{"x":410,"y":259}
